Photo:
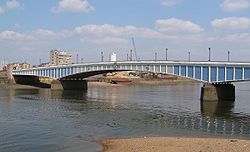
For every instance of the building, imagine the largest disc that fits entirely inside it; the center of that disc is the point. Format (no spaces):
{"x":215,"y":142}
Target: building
{"x":113,"y":57}
{"x":44,"y":65}
{"x":60,"y":58}
{"x":24,"y":65}
{"x":19,"y":66}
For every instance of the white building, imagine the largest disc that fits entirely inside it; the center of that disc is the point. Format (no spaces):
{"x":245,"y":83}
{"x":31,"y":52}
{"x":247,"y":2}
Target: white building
{"x":113,"y":57}
{"x":60,"y":58}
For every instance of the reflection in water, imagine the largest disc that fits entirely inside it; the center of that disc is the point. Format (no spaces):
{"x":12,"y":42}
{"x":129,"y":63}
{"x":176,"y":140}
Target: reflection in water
{"x":216,"y":118}
{"x":67,"y":95}
{"x":217,"y":108}
{"x":11,"y":93}
{"x":220,"y":118}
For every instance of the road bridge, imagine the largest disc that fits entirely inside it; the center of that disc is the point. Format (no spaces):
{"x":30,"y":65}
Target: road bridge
{"x":216,"y":75}
{"x":202,"y":71}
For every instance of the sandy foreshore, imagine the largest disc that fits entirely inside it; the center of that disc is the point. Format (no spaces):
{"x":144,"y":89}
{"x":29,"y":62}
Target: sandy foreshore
{"x":103,"y":84}
{"x":142,"y":82}
{"x":175,"y":144}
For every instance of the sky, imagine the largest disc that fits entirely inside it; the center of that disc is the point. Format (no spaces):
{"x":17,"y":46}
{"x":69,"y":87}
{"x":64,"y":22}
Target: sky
{"x":29,"y":29}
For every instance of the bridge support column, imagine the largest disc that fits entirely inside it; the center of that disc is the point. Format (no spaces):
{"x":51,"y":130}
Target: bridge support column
{"x":218,"y":92}
{"x":69,"y":85}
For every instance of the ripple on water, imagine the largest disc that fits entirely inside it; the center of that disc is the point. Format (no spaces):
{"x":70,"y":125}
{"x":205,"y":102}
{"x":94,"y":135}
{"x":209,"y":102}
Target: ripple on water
{"x":44,"y":120}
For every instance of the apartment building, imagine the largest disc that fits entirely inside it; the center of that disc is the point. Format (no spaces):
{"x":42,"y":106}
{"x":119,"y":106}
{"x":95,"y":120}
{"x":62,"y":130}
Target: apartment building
{"x":60,"y":58}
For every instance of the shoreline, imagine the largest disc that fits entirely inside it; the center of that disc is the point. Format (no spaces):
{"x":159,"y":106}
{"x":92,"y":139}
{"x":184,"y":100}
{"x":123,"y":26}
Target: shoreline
{"x":175,"y":144}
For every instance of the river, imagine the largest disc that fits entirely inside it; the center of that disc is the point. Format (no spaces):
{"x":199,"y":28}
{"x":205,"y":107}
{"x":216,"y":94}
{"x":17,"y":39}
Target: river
{"x":38,"y":120}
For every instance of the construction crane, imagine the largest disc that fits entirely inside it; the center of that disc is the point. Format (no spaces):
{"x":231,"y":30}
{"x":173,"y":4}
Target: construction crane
{"x":133,"y":43}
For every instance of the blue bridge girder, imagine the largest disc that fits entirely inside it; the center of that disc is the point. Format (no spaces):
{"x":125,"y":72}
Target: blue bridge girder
{"x":203,"y":71}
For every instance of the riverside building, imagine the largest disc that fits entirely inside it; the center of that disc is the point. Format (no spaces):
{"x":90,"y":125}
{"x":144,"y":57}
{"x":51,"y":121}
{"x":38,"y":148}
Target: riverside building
{"x":60,"y":58}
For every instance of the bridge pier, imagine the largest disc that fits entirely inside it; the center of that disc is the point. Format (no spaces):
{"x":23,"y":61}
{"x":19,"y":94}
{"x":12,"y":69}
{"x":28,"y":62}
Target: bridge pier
{"x":69,"y":85}
{"x":218,"y":92}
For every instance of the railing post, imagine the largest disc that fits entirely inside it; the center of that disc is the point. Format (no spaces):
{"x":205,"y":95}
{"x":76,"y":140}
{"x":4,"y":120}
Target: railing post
{"x":209,"y":73}
{"x":217,"y":73}
{"x":243,"y":73}
{"x":225,"y":73}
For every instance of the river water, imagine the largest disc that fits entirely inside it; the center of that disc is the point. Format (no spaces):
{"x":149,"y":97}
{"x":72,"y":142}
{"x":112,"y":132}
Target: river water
{"x":38,"y":120}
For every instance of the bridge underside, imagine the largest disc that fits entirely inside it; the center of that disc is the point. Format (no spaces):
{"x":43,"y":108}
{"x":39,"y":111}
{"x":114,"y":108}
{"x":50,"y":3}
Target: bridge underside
{"x":72,"y":82}
{"x":42,"y":82}
{"x":84,"y":75}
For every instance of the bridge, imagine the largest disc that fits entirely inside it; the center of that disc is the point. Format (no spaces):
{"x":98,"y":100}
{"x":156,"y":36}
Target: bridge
{"x":217,"y":75}
{"x":211,"y":72}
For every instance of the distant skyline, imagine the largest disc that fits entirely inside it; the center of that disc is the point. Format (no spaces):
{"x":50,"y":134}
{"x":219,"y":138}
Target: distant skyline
{"x":30,"y":29}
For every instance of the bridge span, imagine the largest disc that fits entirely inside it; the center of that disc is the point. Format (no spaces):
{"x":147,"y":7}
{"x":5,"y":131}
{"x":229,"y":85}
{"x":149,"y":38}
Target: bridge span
{"x":203,"y":71}
{"x":218,"y":75}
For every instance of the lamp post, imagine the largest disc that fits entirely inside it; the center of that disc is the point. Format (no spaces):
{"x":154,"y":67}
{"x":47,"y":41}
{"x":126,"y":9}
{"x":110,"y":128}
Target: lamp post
{"x":228,"y":56}
{"x":189,"y":56}
{"x":166,"y":54}
{"x":77,"y":58}
{"x":131,"y":55}
{"x":102,"y":57}
{"x":155,"y":56}
{"x":209,"y":54}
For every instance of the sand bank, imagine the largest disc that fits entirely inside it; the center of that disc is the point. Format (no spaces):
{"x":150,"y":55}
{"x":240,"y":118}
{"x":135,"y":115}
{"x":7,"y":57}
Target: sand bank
{"x":175,"y":144}
{"x":103,"y":84}
{"x":164,"y":82}
{"x":142,"y":82}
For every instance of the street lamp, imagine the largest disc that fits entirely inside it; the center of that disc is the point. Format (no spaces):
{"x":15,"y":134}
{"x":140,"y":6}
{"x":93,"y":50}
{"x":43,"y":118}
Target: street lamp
{"x":102,"y":57}
{"x":131,"y":55}
{"x":189,"y":56}
{"x":228,"y":56}
{"x":155,"y":56}
{"x":77,"y":58}
{"x":209,"y":54}
{"x":166,"y":54}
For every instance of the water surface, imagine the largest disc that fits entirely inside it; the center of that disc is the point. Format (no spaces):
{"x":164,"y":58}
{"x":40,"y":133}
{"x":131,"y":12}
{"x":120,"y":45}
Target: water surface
{"x":42,"y":120}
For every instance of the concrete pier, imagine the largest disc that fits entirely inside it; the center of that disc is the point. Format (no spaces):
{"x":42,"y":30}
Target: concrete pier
{"x":217,"y":92}
{"x":69,"y":85}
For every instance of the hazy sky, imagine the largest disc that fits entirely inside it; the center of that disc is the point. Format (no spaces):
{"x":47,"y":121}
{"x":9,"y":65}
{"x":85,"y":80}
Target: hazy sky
{"x":30,"y":28}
